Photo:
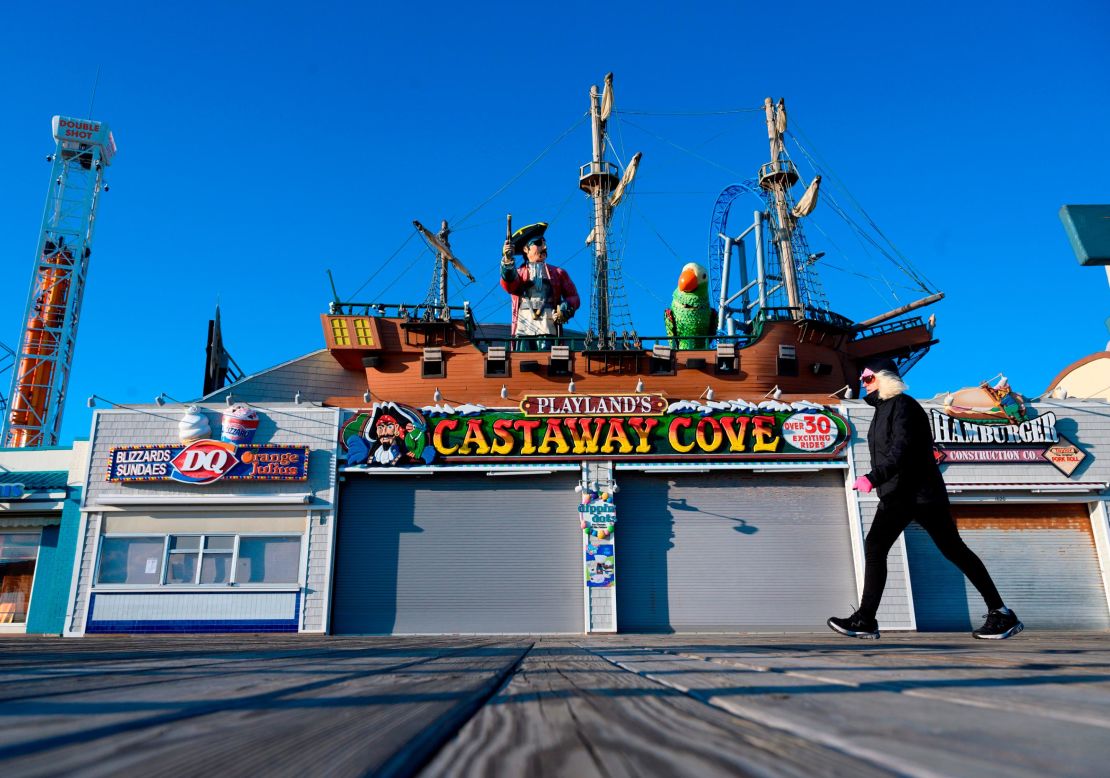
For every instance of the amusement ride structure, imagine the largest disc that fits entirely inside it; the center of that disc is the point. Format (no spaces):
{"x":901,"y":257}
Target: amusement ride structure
{"x":41,"y":364}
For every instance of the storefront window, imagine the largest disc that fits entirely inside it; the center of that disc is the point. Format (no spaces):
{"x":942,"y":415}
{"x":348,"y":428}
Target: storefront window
{"x":216,"y":565}
{"x":18,"y":552}
{"x":200,"y":559}
{"x":181,"y":567}
{"x":268,"y":560}
{"x":131,"y":560}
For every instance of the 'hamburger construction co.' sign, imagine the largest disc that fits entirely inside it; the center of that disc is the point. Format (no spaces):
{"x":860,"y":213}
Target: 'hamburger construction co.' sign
{"x":553,"y":428}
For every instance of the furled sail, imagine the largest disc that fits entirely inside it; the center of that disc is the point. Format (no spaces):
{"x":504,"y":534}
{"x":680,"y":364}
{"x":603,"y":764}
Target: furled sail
{"x":808,"y":202}
{"x":780,"y":116}
{"x":607,"y":98}
{"x":626,"y":179}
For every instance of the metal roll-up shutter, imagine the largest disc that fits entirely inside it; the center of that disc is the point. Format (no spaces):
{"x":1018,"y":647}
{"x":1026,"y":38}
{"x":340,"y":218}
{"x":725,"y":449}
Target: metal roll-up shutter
{"x":443,"y":554}
{"x":1042,"y":559}
{"x":732,"y":550}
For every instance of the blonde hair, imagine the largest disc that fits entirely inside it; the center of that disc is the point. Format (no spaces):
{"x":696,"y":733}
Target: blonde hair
{"x":889,"y":384}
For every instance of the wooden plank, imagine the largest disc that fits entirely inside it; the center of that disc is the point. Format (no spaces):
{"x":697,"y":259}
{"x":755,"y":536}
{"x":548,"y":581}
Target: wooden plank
{"x":908,"y":734}
{"x":568,"y":712}
{"x":1057,"y":692}
{"x":343,"y":709}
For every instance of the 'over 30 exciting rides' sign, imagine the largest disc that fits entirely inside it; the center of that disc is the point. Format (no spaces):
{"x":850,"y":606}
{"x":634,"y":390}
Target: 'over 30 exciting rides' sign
{"x":553,"y":428}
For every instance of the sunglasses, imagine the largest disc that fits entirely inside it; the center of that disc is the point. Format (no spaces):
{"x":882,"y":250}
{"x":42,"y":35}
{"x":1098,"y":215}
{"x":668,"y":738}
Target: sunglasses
{"x":869,"y":378}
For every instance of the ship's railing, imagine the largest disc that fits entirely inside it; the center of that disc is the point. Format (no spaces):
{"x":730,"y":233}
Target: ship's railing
{"x":808,"y":313}
{"x":405,"y":312}
{"x":632,"y":342}
{"x":889,"y":327}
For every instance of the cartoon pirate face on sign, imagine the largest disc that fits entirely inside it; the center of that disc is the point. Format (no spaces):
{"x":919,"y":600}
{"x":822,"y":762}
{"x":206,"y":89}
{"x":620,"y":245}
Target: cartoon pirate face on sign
{"x":390,"y":435}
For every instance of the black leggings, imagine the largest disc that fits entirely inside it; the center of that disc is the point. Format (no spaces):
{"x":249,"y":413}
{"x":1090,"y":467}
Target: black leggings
{"x":890,"y":520}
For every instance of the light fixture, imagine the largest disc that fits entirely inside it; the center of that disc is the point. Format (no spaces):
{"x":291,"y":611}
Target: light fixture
{"x":91,"y":402}
{"x":613,"y":488}
{"x":504,"y":392}
{"x":160,"y":400}
{"x":639,"y":385}
{"x":814,"y":257}
{"x":366,"y":396}
{"x":709,"y":393}
{"x":297,"y":397}
{"x":228,"y":399}
{"x":949,"y":399}
{"x":570,"y":386}
{"x":774,"y":394}
{"x":847,"y":389}
{"x":437,"y":395}
{"x":1059,"y":393}
{"x":578,"y":488}
{"x":49,"y":157}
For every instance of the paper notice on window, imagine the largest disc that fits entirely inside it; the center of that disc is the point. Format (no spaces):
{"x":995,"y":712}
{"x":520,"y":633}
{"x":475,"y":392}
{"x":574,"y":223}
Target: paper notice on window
{"x":152,"y":566}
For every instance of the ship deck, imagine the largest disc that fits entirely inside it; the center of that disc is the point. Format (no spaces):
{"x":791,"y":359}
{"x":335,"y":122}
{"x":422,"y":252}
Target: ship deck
{"x":798,"y":704}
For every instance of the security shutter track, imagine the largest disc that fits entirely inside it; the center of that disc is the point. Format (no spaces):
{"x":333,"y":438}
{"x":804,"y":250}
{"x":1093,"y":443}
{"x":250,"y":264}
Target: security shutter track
{"x":442,"y":554}
{"x":732,"y":550}
{"x":1042,"y":559}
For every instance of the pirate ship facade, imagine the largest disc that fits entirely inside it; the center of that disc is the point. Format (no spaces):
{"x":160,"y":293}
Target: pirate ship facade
{"x":713,"y":492}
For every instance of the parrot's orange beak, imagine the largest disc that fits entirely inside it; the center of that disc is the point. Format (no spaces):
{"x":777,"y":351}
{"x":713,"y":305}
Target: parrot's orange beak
{"x":688,"y":281}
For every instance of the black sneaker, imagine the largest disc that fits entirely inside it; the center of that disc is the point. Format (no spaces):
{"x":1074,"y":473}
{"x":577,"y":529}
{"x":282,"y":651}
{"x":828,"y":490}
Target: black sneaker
{"x":855,"y":626}
{"x":999,"y":626}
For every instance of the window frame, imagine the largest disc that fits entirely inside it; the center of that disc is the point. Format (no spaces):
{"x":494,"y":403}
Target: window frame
{"x":196,"y":586}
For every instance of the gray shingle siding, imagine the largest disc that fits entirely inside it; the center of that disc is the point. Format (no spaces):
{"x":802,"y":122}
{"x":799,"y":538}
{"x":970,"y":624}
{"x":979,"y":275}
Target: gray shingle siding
{"x":317,"y":376}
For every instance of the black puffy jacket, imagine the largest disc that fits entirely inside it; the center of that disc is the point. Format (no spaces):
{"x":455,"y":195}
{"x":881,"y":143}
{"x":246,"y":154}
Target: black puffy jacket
{"x":900,"y":440}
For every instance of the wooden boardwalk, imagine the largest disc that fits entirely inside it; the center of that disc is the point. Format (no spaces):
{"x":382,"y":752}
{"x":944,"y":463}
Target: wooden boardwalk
{"x":628,"y":705}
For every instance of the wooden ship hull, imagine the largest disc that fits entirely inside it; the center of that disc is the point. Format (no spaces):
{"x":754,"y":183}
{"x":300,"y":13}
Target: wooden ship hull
{"x":413,"y":362}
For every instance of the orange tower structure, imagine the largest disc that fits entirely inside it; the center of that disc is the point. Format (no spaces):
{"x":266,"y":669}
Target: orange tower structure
{"x":84,"y":147}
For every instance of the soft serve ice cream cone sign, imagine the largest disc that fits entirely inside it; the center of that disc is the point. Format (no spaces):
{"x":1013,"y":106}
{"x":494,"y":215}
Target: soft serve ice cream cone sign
{"x":200,"y":460}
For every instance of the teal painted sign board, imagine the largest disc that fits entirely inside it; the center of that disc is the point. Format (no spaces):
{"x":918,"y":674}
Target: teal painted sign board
{"x":1088,"y":229}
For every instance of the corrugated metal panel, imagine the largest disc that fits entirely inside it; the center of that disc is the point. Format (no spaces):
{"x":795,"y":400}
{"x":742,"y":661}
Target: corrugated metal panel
{"x":468,"y":554}
{"x":1042,"y":559}
{"x":738,"y":550}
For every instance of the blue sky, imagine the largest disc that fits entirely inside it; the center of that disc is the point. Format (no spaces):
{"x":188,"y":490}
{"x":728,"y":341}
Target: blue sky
{"x":263,"y":143}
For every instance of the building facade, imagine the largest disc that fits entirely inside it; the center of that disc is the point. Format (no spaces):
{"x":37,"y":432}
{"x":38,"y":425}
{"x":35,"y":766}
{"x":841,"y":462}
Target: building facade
{"x":207,"y":519}
{"x":40,"y":495}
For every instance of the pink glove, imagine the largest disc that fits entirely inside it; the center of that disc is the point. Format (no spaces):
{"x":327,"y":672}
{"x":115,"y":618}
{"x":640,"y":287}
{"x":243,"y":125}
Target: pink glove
{"x":862,"y":485}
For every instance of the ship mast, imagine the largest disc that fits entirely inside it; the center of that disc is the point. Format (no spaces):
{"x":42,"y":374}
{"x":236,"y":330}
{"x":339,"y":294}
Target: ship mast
{"x":437,"y":296}
{"x":777,"y":176}
{"x":597,"y":179}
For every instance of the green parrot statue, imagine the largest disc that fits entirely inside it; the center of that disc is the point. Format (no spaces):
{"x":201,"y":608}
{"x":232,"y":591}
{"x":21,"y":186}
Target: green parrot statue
{"x":690,"y":322}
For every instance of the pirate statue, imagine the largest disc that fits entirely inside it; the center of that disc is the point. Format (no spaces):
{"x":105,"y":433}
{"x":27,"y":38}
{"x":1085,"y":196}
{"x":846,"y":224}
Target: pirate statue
{"x":544,"y":297}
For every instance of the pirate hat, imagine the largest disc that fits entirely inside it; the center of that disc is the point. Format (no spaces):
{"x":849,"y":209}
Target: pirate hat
{"x":524,"y":234}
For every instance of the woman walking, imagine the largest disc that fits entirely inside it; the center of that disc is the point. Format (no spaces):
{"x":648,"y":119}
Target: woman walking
{"x":910,"y":487}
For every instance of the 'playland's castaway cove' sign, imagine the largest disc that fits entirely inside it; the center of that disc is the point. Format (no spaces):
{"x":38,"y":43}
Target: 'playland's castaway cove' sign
{"x":555,"y":428}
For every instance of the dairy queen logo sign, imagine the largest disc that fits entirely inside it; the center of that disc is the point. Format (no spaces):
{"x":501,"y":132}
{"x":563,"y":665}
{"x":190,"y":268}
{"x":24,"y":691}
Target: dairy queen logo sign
{"x":207,"y":461}
{"x":203,"y":462}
